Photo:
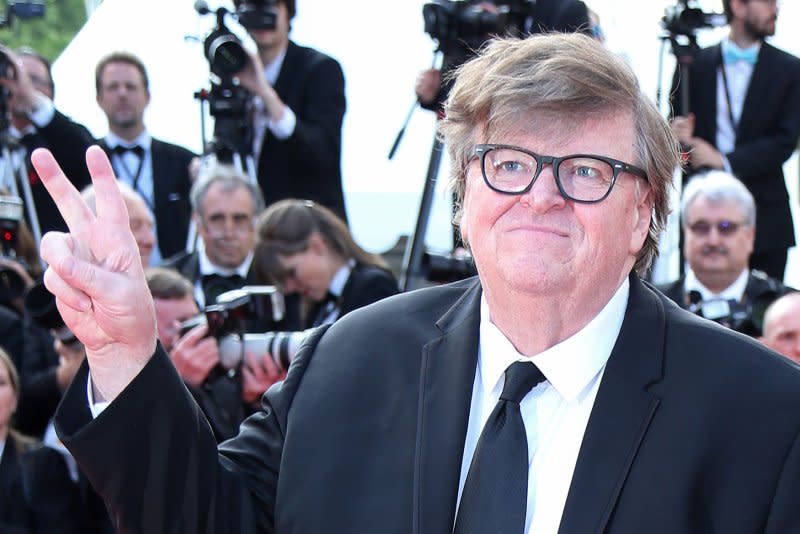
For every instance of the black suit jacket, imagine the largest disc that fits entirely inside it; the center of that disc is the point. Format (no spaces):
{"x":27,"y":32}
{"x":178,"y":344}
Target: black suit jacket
{"x":36,"y":493}
{"x":365,"y":285}
{"x":768,"y":132}
{"x":68,"y":141}
{"x":307,"y":164}
{"x":759,"y":293}
{"x":171,"y":186}
{"x":694,"y":429}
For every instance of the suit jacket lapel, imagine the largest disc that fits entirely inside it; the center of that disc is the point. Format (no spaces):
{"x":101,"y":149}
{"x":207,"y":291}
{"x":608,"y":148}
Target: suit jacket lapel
{"x":620,"y":417}
{"x":446,"y":379}
{"x":756,"y":90}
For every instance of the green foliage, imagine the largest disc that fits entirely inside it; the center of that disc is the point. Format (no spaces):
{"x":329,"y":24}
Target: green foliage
{"x":48,"y":35}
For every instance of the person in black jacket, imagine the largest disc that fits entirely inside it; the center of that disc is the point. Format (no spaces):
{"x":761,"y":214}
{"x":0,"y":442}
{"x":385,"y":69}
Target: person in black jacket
{"x":36,"y":493}
{"x":35,"y":123}
{"x":305,"y":248}
{"x":156,"y":169}
{"x":296,"y":112}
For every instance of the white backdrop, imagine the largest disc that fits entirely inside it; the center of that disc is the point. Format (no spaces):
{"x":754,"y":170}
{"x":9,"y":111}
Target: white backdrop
{"x":381,"y":46}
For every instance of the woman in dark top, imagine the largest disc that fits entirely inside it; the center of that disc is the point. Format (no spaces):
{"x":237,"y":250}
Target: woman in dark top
{"x":36,"y":492}
{"x":304,"y":248}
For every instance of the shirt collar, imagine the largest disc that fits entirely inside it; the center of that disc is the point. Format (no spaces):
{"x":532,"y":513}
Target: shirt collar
{"x":207,"y":267}
{"x":144,"y":140}
{"x":569,"y":366}
{"x":735,"y":291}
{"x":340,"y":278}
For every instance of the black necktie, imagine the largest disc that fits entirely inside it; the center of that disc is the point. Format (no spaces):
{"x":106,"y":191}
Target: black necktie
{"x":122,"y":150}
{"x":495,"y":495}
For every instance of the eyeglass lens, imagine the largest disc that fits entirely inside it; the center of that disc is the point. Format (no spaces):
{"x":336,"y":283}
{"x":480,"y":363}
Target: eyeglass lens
{"x":724,"y":227}
{"x":582,"y":177}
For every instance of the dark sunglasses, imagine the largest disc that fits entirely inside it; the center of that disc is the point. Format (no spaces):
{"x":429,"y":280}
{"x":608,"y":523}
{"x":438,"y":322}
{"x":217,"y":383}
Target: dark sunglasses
{"x":724,"y":228}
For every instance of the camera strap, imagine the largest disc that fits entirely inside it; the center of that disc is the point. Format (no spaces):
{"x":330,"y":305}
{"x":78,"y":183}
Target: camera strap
{"x":121,"y":152}
{"x":734,"y":122}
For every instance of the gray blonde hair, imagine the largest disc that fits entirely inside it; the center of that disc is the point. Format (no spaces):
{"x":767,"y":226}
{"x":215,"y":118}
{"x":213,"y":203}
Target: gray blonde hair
{"x":565,"y":79}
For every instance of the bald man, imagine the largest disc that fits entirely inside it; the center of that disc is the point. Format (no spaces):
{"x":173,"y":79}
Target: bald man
{"x":782,"y":326}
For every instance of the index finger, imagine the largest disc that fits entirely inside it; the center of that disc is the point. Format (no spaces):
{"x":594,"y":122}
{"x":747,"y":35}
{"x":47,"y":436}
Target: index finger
{"x":108,"y":200}
{"x":72,"y":207}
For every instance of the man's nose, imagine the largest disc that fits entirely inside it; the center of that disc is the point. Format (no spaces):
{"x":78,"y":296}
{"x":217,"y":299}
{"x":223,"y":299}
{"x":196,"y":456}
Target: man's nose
{"x":544,"y":193}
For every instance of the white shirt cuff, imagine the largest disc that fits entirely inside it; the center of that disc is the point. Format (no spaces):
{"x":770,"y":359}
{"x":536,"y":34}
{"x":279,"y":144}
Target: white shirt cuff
{"x":43,"y":113}
{"x":95,"y":407}
{"x":283,"y":128}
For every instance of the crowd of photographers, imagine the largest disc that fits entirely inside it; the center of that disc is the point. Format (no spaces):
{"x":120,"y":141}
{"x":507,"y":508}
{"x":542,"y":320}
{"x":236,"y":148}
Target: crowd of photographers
{"x":244,"y":256}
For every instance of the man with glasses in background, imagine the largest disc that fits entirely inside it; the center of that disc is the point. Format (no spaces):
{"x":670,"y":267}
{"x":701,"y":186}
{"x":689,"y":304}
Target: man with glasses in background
{"x":719,"y":217}
{"x":743,"y":116}
{"x":555,"y":392}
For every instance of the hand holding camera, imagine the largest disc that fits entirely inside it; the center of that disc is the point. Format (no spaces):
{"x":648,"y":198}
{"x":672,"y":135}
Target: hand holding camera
{"x":195,"y":354}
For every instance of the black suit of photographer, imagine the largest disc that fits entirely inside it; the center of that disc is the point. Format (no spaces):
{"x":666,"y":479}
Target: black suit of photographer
{"x":308,"y":164}
{"x":759,"y":291}
{"x":68,"y":141}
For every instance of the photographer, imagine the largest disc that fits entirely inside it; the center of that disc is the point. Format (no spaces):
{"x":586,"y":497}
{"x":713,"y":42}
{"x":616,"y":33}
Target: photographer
{"x":298,"y":106}
{"x":35,"y":123}
{"x":719,"y":214}
{"x":540,"y":16}
{"x":306,"y":249}
{"x":222,"y":395}
{"x":743,"y":116}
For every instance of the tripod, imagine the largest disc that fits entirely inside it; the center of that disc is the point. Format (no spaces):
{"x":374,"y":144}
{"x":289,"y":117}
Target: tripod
{"x":229,"y":141}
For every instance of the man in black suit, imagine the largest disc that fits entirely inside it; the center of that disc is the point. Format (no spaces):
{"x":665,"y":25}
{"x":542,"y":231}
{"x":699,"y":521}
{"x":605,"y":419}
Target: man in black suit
{"x":744,"y":117}
{"x":297,"y":110}
{"x":224,"y":206}
{"x":35,"y":123}
{"x":158,"y":170}
{"x":719,"y":217}
{"x":614,"y":410}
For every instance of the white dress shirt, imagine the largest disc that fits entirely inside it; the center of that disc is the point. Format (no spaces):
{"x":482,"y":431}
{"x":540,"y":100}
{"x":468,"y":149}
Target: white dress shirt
{"x":738,"y":75}
{"x":555,"y":412}
{"x":281,"y":129}
{"x":138,"y":174}
{"x":735,"y":291}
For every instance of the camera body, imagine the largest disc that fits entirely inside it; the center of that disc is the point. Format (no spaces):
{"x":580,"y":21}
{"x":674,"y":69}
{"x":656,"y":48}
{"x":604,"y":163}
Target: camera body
{"x":228,"y":318}
{"x":12,"y":285}
{"x":462,"y":26}
{"x":685,"y":19}
{"x":745,"y":316}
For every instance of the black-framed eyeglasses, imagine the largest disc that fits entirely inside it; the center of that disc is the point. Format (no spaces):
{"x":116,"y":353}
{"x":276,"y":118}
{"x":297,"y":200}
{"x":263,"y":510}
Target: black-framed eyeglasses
{"x":724,"y":227}
{"x":585,"y":178}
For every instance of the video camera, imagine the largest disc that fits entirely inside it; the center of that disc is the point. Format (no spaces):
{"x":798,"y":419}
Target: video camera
{"x":226,"y":57}
{"x":228,"y":319}
{"x":460,"y":27}
{"x":685,"y":19}
{"x":23,"y":10}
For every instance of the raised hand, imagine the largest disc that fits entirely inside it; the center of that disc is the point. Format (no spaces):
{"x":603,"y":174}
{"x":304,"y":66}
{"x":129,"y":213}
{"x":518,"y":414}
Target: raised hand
{"x":96,"y":275}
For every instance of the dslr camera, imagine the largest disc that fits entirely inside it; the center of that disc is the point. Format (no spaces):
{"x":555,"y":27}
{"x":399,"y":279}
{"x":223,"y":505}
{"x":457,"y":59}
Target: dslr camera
{"x":228,"y":320}
{"x":11,"y":212}
{"x":746,"y":317}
